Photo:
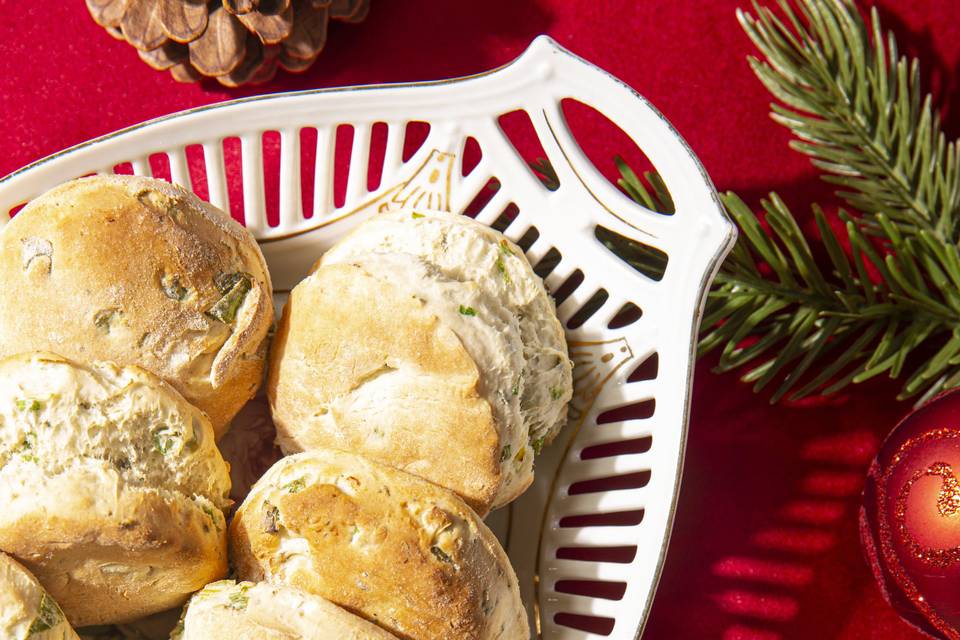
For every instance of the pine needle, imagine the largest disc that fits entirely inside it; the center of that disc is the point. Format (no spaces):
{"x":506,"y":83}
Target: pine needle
{"x":857,"y":109}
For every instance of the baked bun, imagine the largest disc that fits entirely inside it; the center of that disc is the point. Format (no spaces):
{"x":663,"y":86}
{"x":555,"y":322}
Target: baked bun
{"x":138,"y":271}
{"x":427,"y":342}
{"x":389,"y":546}
{"x":27,"y":612}
{"x":248,"y":611}
{"x":111,"y":485}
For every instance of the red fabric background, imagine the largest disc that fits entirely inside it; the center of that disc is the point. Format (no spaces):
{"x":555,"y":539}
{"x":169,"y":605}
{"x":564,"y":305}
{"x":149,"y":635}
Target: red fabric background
{"x":765,"y":544}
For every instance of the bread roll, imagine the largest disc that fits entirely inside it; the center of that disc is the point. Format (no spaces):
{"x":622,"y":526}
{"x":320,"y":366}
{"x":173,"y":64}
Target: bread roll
{"x":248,"y":611}
{"x":386,"y":545}
{"x":138,"y":271}
{"x":27,"y":612}
{"x":427,"y":342}
{"x":112,"y":487}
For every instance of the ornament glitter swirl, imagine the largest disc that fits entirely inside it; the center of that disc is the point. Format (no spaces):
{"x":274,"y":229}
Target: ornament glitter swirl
{"x":910,"y":519}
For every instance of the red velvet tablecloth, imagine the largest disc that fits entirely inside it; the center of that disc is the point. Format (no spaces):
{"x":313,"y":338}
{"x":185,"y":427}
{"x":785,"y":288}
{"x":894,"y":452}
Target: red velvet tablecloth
{"x":765,"y":544}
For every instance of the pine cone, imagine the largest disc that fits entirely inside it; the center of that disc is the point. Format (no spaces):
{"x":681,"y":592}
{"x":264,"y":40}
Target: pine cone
{"x":234,"y":41}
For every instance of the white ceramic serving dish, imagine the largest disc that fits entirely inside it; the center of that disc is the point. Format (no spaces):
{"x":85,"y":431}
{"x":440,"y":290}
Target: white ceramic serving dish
{"x":569,"y":529}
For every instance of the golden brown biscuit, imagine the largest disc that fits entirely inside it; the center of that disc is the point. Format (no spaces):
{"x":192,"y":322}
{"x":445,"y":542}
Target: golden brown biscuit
{"x":426,"y":341}
{"x":112,"y":486}
{"x":262,"y":611}
{"x":138,"y":271}
{"x":391,"y":547}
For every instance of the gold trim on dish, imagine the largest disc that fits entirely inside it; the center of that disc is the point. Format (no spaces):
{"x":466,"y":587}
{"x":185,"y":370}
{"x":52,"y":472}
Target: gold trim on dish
{"x":584,"y":182}
{"x":422,"y":183}
{"x":588,"y":383}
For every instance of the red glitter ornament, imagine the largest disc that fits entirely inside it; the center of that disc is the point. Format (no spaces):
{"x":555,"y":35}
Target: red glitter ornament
{"x":910,"y":519}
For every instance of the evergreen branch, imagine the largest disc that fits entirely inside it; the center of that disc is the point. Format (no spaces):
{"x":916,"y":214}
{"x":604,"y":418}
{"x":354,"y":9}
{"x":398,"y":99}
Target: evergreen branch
{"x":857,"y":109}
{"x":799,"y":316}
{"x":803,"y":328}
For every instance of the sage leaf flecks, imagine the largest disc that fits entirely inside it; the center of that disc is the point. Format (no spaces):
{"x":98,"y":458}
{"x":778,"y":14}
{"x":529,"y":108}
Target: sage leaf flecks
{"x":226,"y":281}
{"x":234,"y":287}
{"x":49,"y":616}
{"x":295,"y":486}
{"x":34,"y":406}
{"x":502,"y":269}
{"x":104,"y":318}
{"x":440,"y":554}
{"x":163,"y":440}
{"x":537,"y":444}
{"x":172,"y":288}
{"x":240,"y":599}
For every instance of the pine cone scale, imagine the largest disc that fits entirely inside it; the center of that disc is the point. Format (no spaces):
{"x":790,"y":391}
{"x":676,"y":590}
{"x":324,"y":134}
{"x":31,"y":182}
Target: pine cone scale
{"x":252,"y":61}
{"x":107,"y":13}
{"x":184,"y":72}
{"x":141,"y":24}
{"x":309,"y":34}
{"x":267,"y":70}
{"x":221,"y":48}
{"x":239,"y":7}
{"x":165,"y":56}
{"x":183,"y":20}
{"x":295,"y":65}
{"x":271,"y":28}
